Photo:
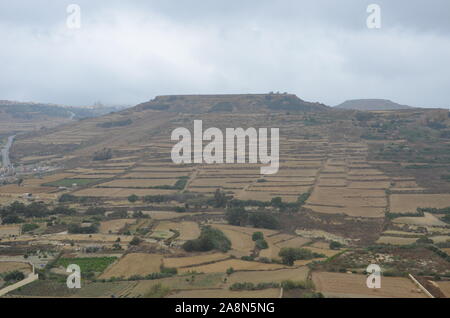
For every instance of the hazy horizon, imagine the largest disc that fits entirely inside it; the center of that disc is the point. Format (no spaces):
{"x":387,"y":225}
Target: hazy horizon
{"x":128,"y":53}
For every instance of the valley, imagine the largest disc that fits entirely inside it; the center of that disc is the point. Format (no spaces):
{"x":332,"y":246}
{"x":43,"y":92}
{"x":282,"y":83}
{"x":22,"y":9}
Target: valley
{"x":353,"y":188}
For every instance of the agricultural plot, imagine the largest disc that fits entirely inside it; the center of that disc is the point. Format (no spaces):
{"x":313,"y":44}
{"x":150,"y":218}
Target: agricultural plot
{"x":395,"y":240}
{"x":275,"y":276}
{"x":6,"y":267}
{"x":236,"y":264}
{"x":87,"y":264}
{"x":119,"y":192}
{"x":354,"y":286}
{"x":200,"y":281}
{"x":225,"y":293}
{"x":187,"y":230}
{"x":179,"y":262}
{"x":114,"y":226}
{"x":9,"y":230}
{"x":134,"y":264}
{"x":427,"y":220}
{"x":71,"y":182}
{"x":138,"y":183}
{"x":407,"y":203}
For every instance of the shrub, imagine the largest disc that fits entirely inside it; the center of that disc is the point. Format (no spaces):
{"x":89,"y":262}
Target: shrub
{"x":289,"y":255}
{"x":29,"y":227}
{"x":335,"y":245}
{"x":135,"y":241}
{"x":102,"y":155}
{"x":210,"y":239}
{"x":262,"y":244}
{"x":133,"y":198}
{"x":230,"y":271}
{"x":78,"y":229}
{"x":14,"y":276}
{"x":257,"y":236}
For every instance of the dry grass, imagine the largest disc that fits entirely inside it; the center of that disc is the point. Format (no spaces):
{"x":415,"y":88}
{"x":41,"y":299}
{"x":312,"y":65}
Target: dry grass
{"x":427,"y":220}
{"x":276,"y":276}
{"x":236,"y":264}
{"x":194,"y":260}
{"x":188,"y":230}
{"x":410,"y":202}
{"x":6,"y":267}
{"x":138,"y":183}
{"x":134,"y":264}
{"x":7,"y":230}
{"x":396,"y":240}
{"x":226,"y":293}
{"x":351,"y":285}
{"x":114,"y":226}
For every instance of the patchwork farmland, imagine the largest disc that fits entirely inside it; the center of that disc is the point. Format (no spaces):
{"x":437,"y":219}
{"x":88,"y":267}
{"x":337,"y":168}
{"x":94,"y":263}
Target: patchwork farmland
{"x":141,"y":226}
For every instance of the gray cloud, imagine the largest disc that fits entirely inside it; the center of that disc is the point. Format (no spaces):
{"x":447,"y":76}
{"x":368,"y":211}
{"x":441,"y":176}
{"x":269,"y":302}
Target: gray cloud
{"x":320,"y":50}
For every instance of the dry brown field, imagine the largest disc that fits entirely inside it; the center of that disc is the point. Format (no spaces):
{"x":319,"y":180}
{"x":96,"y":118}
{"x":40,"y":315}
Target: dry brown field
{"x":188,"y":230}
{"x":225,"y":293}
{"x":194,"y":260}
{"x":114,"y":226}
{"x":6,"y":267}
{"x":276,"y":276}
{"x":134,"y":264}
{"x":340,"y":285}
{"x":401,"y":203}
{"x":236,"y":264}
{"x":7,"y":230}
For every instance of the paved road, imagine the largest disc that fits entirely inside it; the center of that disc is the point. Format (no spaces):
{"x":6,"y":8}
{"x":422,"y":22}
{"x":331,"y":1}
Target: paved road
{"x":5,"y":151}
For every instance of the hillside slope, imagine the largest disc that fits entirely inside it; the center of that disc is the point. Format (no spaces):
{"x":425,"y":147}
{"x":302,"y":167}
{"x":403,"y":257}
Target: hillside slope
{"x":371,"y":105}
{"x":245,"y":103}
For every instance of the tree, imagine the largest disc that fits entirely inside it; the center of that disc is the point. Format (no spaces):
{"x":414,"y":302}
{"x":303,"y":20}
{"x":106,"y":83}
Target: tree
{"x":102,"y":155}
{"x":135,"y":241}
{"x":14,"y":276}
{"x":262,"y":244}
{"x":133,"y":198}
{"x":220,"y":199}
{"x":335,"y":245}
{"x":257,"y":236}
{"x":236,"y":216}
{"x":289,"y":255}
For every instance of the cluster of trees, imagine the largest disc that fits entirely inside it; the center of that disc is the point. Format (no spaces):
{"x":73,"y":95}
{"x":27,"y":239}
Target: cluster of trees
{"x":240,"y":217}
{"x":17,"y":211}
{"x":210,"y":239}
{"x":79,"y":229}
{"x":104,"y":154}
{"x":286,"y":284}
{"x":290,"y":254}
{"x":13,"y":276}
{"x":276,"y":202}
{"x":260,"y":242}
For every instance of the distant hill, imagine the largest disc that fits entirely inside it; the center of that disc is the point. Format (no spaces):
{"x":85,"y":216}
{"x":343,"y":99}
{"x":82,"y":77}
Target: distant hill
{"x":245,"y":103}
{"x":31,"y":110}
{"x":371,"y":104}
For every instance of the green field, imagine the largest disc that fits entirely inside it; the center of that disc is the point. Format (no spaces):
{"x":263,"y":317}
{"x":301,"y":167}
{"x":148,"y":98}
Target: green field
{"x":88,"y":264}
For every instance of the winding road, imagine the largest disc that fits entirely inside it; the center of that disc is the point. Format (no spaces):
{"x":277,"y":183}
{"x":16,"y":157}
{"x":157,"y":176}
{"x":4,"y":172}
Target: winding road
{"x":5,"y":152}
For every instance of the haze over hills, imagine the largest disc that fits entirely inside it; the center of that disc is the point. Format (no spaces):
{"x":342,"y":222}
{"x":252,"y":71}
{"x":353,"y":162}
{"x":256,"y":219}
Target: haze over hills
{"x":243,"y":103}
{"x":371,"y":104}
{"x":34,"y":110}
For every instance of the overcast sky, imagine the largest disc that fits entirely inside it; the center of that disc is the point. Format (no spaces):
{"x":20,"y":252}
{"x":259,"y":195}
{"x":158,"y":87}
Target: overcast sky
{"x":129,"y":52}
